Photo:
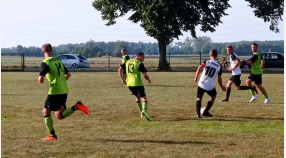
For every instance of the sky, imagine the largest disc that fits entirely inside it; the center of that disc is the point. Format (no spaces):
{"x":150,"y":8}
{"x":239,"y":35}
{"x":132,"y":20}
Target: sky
{"x":35,"y":22}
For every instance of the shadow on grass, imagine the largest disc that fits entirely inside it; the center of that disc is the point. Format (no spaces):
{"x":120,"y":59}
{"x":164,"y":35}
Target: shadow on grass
{"x":221,"y":118}
{"x":170,"y":86}
{"x":233,"y":118}
{"x":154,"y":141}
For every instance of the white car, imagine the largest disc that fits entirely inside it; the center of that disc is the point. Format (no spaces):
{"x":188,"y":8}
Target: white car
{"x":74,"y":61}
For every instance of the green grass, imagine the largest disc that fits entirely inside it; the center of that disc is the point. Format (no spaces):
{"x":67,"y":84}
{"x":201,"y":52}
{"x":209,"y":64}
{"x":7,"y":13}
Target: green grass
{"x":114,"y":128}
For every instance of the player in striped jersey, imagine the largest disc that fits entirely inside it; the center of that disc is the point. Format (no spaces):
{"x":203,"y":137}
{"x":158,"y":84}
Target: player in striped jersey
{"x":236,"y":73}
{"x":211,"y":70}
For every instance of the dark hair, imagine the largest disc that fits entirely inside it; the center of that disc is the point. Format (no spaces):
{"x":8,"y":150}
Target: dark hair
{"x":140,"y":54}
{"x":229,"y":46}
{"x":213,"y":52}
{"x":47,"y":47}
{"x":123,"y":49}
{"x":255,"y":44}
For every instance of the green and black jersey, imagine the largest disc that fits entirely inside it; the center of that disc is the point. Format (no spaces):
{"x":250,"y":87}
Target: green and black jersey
{"x":133,"y":69}
{"x":256,"y":63}
{"x":55,"y":71}
{"x":124,"y":58}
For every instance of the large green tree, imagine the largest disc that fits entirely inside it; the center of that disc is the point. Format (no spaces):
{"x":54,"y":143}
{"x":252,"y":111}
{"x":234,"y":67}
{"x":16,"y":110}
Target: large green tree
{"x":166,"y":19}
{"x":269,"y":10}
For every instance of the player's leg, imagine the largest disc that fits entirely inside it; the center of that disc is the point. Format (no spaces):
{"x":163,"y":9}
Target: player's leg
{"x":212,"y":93}
{"x":237,"y":83}
{"x":48,"y":107}
{"x":228,"y":90}
{"x":250,"y":79}
{"x":139,"y":104}
{"x":145,"y":108}
{"x":200,"y":94}
{"x":258,"y":82}
{"x":138,"y":100}
{"x":64,"y":112}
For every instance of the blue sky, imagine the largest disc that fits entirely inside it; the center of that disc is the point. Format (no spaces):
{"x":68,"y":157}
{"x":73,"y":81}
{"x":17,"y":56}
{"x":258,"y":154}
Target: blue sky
{"x":34,"y":22}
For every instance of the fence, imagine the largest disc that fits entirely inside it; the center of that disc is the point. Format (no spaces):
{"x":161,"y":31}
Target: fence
{"x":19,"y":62}
{"x":13,"y":62}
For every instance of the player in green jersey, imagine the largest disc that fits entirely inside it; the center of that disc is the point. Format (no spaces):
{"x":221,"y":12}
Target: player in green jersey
{"x":57,"y":75}
{"x":125,"y":57}
{"x":134,"y":68}
{"x":257,"y":66}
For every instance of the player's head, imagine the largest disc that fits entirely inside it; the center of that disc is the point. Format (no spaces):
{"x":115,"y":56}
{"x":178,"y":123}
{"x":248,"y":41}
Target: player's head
{"x":140,"y":56}
{"x":123,"y":51}
{"x":254,"y":47}
{"x":47,"y":48}
{"x":229,"y":49}
{"x":213,"y":53}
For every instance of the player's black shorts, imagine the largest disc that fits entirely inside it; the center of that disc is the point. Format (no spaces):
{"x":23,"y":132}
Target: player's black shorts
{"x":201,"y":91}
{"x":257,"y":79}
{"x":54,"y":102}
{"x":138,"y":91}
{"x":235,"y":79}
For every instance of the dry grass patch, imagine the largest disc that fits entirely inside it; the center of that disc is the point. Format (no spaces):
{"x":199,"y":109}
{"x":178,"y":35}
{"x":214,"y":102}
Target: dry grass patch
{"x":114,"y":127}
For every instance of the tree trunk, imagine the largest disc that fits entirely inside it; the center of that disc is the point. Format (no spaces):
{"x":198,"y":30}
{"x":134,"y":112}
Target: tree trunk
{"x":163,"y":64}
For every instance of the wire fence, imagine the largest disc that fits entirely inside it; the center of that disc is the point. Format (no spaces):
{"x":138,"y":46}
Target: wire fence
{"x":19,"y":62}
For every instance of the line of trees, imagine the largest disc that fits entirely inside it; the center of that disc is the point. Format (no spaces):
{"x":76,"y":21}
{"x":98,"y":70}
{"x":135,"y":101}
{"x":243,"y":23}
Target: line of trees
{"x":202,"y":45}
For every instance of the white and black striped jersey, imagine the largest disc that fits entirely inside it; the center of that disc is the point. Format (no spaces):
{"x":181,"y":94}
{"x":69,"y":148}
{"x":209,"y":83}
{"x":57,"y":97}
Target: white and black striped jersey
{"x":232,"y":59}
{"x":208,"y":77}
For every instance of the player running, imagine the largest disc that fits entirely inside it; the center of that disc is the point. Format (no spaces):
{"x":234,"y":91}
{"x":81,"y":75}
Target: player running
{"x":257,"y":66}
{"x":236,"y":73}
{"x":57,"y":75}
{"x":134,"y":68}
{"x":211,"y":69}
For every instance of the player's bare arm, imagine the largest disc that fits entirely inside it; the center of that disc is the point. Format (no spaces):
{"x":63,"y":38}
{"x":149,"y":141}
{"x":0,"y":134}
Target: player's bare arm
{"x":120,"y":72}
{"x":41,"y":79}
{"x":198,"y":72}
{"x":68,"y":75}
{"x":262,"y":63}
{"x":237,"y":63}
{"x":219,"y":80}
{"x":248,"y":62}
{"x":146,"y":77}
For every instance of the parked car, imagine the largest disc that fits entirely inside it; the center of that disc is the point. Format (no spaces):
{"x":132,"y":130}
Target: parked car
{"x":272,"y":60}
{"x":74,"y":61}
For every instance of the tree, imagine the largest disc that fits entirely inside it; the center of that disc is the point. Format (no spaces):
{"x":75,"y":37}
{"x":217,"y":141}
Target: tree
{"x":165,"y":20}
{"x":269,"y":11}
{"x":200,"y":44}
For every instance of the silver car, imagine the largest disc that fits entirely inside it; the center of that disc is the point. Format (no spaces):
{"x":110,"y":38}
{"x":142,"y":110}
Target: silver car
{"x":74,"y":61}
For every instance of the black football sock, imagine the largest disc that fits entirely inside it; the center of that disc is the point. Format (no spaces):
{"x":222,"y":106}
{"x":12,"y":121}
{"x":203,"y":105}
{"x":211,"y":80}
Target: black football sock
{"x":198,"y":107}
{"x":228,"y":90}
{"x":209,"y":106}
{"x":244,"y":88}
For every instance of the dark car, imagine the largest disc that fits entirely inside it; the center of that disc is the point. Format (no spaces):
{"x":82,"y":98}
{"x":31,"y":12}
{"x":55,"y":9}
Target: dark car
{"x":74,"y":61}
{"x":272,"y":60}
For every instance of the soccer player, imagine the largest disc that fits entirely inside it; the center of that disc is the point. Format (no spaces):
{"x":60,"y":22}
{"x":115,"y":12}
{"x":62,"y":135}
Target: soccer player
{"x":134,"y":68}
{"x":57,"y":75}
{"x":257,"y":66}
{"x":236,"y":73}
{"x":125,"y":57}
{"x":211,"y":69}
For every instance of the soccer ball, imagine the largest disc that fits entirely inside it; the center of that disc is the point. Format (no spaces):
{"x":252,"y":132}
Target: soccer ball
{"x":203,"y":109}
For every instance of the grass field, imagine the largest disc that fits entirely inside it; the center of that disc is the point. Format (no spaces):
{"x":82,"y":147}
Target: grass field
{"x":114,"y":128}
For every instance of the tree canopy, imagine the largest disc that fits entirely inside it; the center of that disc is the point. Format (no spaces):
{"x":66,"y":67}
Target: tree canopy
{"x":269,"y":10}
{"x":165,"y":20}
